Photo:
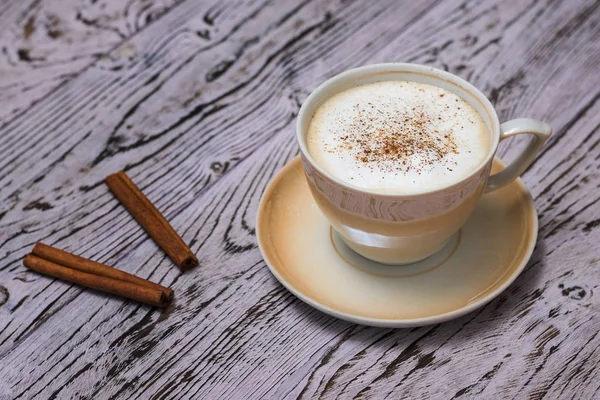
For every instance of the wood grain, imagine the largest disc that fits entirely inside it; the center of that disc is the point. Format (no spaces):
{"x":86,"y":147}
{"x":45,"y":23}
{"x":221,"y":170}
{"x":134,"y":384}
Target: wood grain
{"x":197,"y":104}
{"x":45,"y":44}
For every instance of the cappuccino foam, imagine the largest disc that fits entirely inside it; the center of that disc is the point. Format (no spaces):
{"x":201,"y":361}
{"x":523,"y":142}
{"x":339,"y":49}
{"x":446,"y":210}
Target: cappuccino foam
{"x":398,"y":137}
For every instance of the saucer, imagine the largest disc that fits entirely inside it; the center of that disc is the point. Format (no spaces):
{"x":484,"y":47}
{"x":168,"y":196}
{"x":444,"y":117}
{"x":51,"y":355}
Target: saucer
{"x":479,"y":262}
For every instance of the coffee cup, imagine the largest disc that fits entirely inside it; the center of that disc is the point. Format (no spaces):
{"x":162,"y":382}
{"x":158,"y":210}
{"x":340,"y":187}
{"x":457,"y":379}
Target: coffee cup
{"x":394,"y":228}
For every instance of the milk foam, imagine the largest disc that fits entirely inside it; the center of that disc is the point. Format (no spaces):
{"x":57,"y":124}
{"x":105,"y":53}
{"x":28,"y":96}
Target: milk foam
{"x":398,"y":137}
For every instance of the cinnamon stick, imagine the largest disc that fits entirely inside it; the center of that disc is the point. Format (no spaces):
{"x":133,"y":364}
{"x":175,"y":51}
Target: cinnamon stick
{"x":109,"y":285}
{"x":151,"y":219}
{"x":63,"y":258}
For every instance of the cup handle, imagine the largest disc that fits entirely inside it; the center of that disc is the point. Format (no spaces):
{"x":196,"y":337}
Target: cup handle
{"x":540,"y":131}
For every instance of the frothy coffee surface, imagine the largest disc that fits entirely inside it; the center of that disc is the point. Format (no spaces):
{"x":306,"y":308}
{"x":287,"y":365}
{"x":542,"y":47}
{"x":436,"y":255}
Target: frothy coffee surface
{"x":398,"y":137}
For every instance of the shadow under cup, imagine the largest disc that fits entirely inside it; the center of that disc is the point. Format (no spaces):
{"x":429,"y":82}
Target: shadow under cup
{"x":388,"y":228}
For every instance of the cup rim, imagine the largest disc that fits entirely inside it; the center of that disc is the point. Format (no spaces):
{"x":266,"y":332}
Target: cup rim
{"x":382,"y":68}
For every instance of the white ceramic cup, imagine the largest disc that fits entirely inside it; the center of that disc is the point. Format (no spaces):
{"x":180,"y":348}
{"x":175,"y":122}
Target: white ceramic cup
{"x":400,"y":229}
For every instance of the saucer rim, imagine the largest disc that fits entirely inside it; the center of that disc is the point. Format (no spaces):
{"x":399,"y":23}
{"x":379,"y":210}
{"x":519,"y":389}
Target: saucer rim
{"x":395,"y":322}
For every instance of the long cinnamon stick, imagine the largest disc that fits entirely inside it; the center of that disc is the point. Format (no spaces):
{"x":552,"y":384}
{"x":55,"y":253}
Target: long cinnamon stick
{"x":126,"y":289}
{"x":63,"y":258}
{"x":151,"y":219}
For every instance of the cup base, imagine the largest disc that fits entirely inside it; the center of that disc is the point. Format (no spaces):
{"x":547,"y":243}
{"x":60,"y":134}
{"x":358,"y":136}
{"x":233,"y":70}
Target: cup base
{"x":379,"y":268}
{"x":387,"y":256}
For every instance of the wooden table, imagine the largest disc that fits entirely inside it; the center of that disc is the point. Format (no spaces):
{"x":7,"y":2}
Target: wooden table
{"x":197,"y":101}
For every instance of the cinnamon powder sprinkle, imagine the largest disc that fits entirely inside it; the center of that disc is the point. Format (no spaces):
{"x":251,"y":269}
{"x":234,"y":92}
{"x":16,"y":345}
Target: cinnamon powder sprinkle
{"x":389,"y":140}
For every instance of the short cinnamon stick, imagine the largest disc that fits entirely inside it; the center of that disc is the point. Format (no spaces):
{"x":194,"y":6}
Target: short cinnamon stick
{"x":109,"y":285}
{"x":63,"y":258}
{"x":151,"y":219}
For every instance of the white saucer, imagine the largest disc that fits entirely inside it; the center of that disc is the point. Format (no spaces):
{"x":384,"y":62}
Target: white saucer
{"x":478,"y":263}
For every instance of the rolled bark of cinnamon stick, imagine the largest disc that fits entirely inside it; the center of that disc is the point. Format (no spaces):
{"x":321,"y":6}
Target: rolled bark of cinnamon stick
{"x":126,"y":289}
{"x":151,"y":220}
{"x":63,"y":258}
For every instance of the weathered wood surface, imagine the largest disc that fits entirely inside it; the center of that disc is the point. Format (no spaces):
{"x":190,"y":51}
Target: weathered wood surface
{"x":197,"y":101}
{"x":45,"y":44}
